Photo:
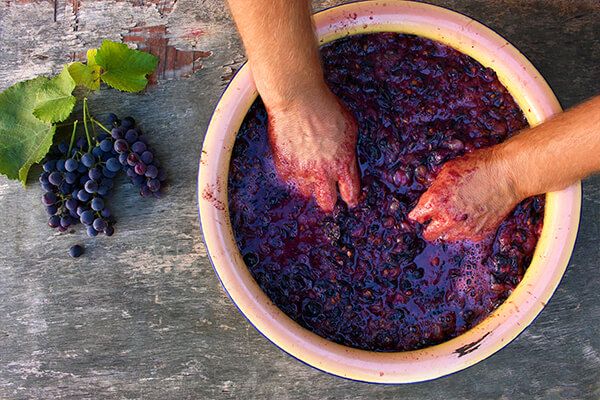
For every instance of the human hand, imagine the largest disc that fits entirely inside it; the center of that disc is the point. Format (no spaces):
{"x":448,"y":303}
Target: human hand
{"x":468,"y":199}
{"x":313,"y":139}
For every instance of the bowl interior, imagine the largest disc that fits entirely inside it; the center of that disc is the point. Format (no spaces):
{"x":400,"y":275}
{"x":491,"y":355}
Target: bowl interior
{"x":550,"y":259}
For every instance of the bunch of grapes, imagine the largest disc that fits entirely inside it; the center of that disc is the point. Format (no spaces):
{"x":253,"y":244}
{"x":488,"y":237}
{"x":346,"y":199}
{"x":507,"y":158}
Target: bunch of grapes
{"x":136,"y":156}
{"x":78,"y":177}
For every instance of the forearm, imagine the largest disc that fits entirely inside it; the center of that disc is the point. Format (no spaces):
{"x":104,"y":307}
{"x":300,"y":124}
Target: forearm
{"x":556,"y":153}
{"x":281,"y":47}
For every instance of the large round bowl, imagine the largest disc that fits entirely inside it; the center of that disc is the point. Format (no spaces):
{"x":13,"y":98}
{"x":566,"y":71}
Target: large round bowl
{"x":550,"y":259}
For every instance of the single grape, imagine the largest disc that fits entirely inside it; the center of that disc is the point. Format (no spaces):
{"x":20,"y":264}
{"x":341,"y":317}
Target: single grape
{"x":108,"y":173}
{"x":154,"y":185}
{"x":97,"y":204}
{"x":81,"y":143}
{"x":97,"y":152}
{"x":83,"y":195}
{"x":128,"y":123}
{"x":83,"y":179}
{"x":151,"y":171}
{"x":91,"y":186}
{"x":121,"y":146}
{"x":102,"y":190}
{"x":109,"y":230}
{"x":140,"y":168}
{"x":47,"y":186}
{"x":87,"y":217}
{"x":131,"y":136}
{"x":65,"y":188}
{"x":113,"y":119}
{"x":49,"y":198}
{"x":138,"y":180}
{"x":147,"y":157}
{"x":113,"y":165}
{"x":145,"y":191}
{"x":71,"y":165}
{"x":76,"y":251}
{"x":131,"y":173}
{"x":95,"y":173}
{"x":132,"y":159}
{"x":88,"y":160}
{"x":65,"y":221}
{"x":49,"y":165}
{"x":106,"y":145}
{"x":54,"y":221}
{"x":55,"y":178}
{"x":138,"y":147}
{"x":81,"y":168}
{"x":123,"y":159}
{"x":52,"y":209}
{"x":71,"y":204}
{"x":99,"y":224}
{"x":63,"y":147}
{"x":91,"y":231}
{"x":116,"y":133}
{"x":74,"y":216}
{"x":43,"y":177}
{"x":80,"y":210}
{"x":105,"y":212}
{"x":70,"y":177}
{"x":60,"y":165}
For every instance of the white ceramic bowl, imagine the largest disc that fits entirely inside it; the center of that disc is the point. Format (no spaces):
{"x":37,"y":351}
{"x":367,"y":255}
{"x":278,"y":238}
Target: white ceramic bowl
{"x":549,"y":260}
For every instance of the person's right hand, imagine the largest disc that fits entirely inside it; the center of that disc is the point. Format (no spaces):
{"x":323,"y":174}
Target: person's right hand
{"x":313,"y":140}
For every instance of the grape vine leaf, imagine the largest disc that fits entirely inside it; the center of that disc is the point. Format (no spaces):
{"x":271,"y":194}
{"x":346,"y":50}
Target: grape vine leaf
{"x":24,"y":139}
{"x":86,"y":75}
{"x":54,"y":100}
{"x":124,"y":68}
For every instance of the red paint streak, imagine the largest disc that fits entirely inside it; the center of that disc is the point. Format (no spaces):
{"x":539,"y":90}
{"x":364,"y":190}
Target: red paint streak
{"x":173,"y":63}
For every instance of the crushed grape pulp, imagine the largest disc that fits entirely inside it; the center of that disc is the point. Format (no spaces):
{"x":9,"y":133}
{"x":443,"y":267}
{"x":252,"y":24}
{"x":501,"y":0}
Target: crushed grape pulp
{"x":365,"y":277}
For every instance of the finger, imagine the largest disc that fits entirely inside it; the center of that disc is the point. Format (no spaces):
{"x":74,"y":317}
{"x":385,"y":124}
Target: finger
{"x":349,"y":184}
{"x":423,"y":210}
{"x":325,"y":194}
{"x":436,"y":229}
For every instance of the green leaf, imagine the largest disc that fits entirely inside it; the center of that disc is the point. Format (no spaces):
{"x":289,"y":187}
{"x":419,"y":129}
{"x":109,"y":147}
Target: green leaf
{"x":24,"y":139}
{"x":54,"y":99}
{"x":86,"y":75}
{"x":91,"y":56}
{"x":124,"y":69}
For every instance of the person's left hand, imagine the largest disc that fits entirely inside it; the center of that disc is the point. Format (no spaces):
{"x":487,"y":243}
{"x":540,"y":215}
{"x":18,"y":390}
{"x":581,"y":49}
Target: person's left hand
{"x":468,"y":199}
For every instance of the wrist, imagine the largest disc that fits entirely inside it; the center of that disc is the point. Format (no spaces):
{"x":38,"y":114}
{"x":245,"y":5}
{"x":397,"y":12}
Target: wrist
{"x":506,"y":170}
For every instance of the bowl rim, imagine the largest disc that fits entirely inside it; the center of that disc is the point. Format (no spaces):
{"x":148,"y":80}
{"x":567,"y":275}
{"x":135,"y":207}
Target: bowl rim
{"x":503,"y":325}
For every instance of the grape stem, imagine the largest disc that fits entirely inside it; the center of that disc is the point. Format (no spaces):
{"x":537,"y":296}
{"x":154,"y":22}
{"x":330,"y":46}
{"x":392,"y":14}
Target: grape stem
{"x":72,"y":137}
{"x":85,"y":117}
{"x":100,"y":125}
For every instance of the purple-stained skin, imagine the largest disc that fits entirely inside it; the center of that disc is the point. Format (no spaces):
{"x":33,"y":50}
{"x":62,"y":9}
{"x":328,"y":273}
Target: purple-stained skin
{"x":365,"y":277}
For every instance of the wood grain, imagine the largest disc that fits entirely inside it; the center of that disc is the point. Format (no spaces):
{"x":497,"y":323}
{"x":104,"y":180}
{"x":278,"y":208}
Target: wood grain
{"x":142,"y":314}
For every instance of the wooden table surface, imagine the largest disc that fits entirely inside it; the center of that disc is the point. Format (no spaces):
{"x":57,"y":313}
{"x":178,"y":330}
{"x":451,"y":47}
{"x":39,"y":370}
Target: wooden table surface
{"x":142,"y":314}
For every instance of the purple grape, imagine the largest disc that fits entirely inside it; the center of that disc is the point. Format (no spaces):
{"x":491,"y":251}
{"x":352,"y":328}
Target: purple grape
{"x":97,"y":152}
{"x":131,"y":136}
{"x":121,"y":146}
{"x":108,"y":173}
{"x":97,"y":204}
{"x":54,"y":221}
{"x":87,"y":217}
{"x":91,"y":231}
{"x":147,"y":157}
{"x":105,"y":213}
{"x":76,"y":251}
{"x":106,"y":145}
{"x":140,"y":168}
{"x":55,"y":178}
{"x":51,"y":210}
{"x":88,"y":160}
{"x":71,"y":165}
{"x":151,"y":171}
{"x":91,"y":186}
{"x":47,"y":186}
{"x":71,"y":204}
{"x":132,"y":159}
{"x":113,"y":165}
{"x":65,"y":221}
{"x":109,"y":230}
{"x":63,"y":147}
{"x":145,"y":191}
{"x":154,"y":185}
{"x":70,"y":177}
{"x":49,"y":165}
{"x":99,"y":224}
{"x":138,"y":147}
{"x":95,"y":173}
{"x":113,"y":119}
{"x":49,"y":198}
{"x":123,"y":159}
{"x":83,"y":195}
{"x":60,"y":165}
{"x":127,"y":123}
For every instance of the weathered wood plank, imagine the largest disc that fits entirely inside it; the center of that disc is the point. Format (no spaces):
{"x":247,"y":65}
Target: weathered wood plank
{"x":142,"y":315}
